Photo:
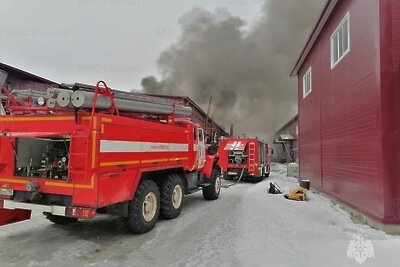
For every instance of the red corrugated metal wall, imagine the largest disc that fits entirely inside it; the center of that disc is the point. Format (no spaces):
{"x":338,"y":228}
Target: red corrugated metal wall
{"x":390,"y":96}
{"x":340,"y":148}
{"x":309,"y":122}
{"x":395,"y":69}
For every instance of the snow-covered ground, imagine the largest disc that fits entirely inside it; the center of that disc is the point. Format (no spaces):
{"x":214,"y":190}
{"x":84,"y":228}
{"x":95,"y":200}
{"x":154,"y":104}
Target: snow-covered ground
{"x":246,"y":226}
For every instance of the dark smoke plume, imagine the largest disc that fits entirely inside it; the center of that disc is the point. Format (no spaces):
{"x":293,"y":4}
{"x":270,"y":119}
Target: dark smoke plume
{"x":246,"y":72}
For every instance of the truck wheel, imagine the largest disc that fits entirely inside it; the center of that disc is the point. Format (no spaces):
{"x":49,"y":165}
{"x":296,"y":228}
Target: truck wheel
{"x":60,"y":220}
{"x":211,"y":192}
{"x":171,"y":197}
{"x":144,"y":208}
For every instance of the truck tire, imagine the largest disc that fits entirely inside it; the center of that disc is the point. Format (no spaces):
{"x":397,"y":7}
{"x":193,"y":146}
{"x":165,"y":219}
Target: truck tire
{"x":211,"y":192}
{"x":171,"y":197}
{"x":60,"y":220}
{"x":144,"y":208}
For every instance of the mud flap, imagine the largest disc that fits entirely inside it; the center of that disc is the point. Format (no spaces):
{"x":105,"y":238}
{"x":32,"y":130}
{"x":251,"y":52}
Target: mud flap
{"x":12,"y":216}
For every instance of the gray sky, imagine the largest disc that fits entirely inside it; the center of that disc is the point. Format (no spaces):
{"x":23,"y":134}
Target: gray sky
{"x":118,"y":41}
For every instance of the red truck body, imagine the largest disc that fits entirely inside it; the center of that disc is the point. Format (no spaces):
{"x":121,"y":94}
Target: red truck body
{"x":246,"y":157}
{"x":97,"y":161}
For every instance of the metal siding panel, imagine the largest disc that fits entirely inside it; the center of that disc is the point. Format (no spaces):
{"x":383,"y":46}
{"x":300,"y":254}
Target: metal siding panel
{"x":339,"y":125}
{"x":395,"y":135}
{"x":390,"y":95}
{"x":309,"y":123}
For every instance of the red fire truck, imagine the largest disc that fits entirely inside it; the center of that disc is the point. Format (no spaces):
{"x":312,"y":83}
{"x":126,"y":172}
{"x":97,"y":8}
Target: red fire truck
{"x":245,"y":158}
{"x":104,"y":150}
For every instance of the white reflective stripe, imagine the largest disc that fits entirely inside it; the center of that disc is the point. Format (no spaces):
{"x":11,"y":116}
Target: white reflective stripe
{"x":120,"y":146}
{"x":56,"y":210}
{"x":134,"y":146}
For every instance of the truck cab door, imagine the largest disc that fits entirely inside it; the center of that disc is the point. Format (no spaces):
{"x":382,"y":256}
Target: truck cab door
{"x":201,"y":149}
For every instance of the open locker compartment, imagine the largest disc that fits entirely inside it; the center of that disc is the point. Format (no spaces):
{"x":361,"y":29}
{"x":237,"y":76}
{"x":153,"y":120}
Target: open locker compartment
{"x":42,"y":157}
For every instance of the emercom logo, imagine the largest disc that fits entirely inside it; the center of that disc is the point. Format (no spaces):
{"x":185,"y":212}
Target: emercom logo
{"x":360,"y":248}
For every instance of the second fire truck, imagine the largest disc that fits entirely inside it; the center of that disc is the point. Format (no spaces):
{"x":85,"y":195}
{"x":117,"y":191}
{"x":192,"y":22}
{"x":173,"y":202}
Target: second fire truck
{"x":244,"y":158}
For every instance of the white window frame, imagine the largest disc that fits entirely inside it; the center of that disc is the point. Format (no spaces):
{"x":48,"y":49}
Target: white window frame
{"x":336,"y":33}
{"x":309,"y":75}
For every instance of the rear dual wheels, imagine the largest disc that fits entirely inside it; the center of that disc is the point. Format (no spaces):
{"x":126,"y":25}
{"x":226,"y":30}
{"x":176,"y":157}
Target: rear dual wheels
{"x":149,"y":203}
{"x":171,"y":197}
{"x":144,"y":208}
